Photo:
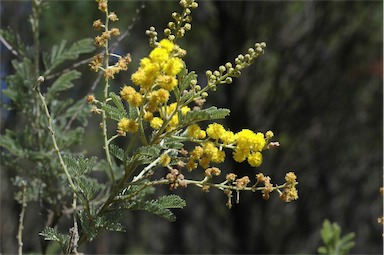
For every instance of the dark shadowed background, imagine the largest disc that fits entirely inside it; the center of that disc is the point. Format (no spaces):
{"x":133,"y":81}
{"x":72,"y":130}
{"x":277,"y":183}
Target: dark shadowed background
{"x":319,"y":87}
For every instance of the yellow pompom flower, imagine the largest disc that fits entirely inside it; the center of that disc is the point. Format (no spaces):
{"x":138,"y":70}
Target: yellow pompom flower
{"x":136,"y":99}
{"x":156,"y":123}
{"x":165,"y":160}
{"x":248,"y":139}
{"x":173,"y":66}
{"x":126,"y":92}
{"x":195,"y":131}
{"x":159,"y":55}
{"x":163,"y":96}
{"x":128,"y":125}
{"x":240,"y":154}
{"x":218,"y":156}
{"x":215,"y":130}
{"x":158,"y":96}
{"x":227,"y":137}
{"x":148,"y":116}
{"x":255,"y":159}
{"x":140,"y":78}
{"x":184,"y":110}
{"x":166,"y":44}
{"x":197,"y":152}
{"x":166,"y":82}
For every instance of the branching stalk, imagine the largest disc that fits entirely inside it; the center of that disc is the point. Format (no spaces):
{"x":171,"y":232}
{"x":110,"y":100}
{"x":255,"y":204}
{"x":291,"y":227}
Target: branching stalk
{"x":104,"y":114}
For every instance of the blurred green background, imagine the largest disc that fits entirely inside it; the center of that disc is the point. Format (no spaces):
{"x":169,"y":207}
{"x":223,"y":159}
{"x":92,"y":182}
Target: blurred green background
{"x":319,"y":87}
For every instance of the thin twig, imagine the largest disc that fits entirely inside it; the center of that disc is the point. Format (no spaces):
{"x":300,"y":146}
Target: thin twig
{"x":40,"y":79}
{"x":9,"y":47}
{"x":75,"y":65}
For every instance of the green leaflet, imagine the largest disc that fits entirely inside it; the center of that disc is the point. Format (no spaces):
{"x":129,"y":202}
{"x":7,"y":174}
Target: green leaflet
{"x":117,"y":152}
{"x":108,"y":221}
{"x":186,"y":81}
{"x":334,"y":243}
{"x":79,"y":165}
{"x":64,"y":82}
{"x":148,"y":154}
{"x":117,"y":101}
{"x":160,"y":206}
{"x":211,"y":113}
{"x":9,"y":142}
{"x":88,"y":186}
{"x":59,"y":54}
{"x":51,"y":234}
{"x":14,"y":40}
{"x":113,"y":112}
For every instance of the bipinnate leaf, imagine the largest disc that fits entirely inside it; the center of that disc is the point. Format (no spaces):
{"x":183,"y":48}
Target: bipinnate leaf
{"x":59,"y":54}
{"x":51,"y":234}
{"x":88,"y":186}
{"x":117,"y":152}
{"x":160,"y":206}
{"x":64,"y":82}
{"x":211,"y":113}
{"x":114,"y":112}
{"x":117,"y":101}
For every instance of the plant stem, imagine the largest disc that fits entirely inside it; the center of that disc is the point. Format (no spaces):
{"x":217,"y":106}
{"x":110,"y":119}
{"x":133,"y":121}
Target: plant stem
{"x":104,"y":114}
{"x":52,"y":132}
{"x":21,"y":217}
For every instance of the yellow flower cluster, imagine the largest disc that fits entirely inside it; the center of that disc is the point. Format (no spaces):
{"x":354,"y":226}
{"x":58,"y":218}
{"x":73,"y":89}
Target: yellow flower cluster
{"x":159,"y":69}
{"x":127,"y":125}
{"x":246,"y":145}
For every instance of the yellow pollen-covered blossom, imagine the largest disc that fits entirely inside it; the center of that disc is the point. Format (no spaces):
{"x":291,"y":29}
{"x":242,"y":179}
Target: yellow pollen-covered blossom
{"x":141,"y":79}
{"x":127,"y":125}
{"x":197,"y":152}
{"x":158,"y":96}
{"x":166,"y":44}
{"x":255,"y":159}
{"x":215,"y":130}
{"x":146,"y":75}
{"x":129,"y":94}
{"x":166,"y":82}
{"x":136,"y":99}
{"x":173,"y":66}
{"x":156,"y":123}
{"x":159,"y":55}
{"x":249,"y":139}
{"x":184,"y":110}
{"x":171,"y":108}
{"x":195,"y":131}
{"x":145,"y":62}
{"x":165,"y":160}
{"x":228,"y":137}
{"x":148,"y":116}
{"x":240,"y":154}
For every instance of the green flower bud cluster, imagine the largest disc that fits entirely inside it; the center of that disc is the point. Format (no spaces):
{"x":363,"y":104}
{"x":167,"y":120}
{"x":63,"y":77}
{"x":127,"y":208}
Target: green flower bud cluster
{"x":177,"y":28}
{"x":225,"y":72}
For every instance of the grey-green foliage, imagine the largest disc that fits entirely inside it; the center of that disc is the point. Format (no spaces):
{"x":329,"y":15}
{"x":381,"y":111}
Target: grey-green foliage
{"x":334,"y":243}
{"x":51,"y":234}
{"x":159,"y":206}
{"x":27,"y":148}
